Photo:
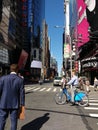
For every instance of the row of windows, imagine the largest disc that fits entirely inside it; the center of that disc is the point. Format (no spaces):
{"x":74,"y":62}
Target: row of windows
{"x":3,"y":55}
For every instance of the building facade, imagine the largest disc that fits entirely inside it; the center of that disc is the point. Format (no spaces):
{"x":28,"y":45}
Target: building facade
{"x":4,"y":45}
{"x":21,"y":39}
{"x":85,"y":38}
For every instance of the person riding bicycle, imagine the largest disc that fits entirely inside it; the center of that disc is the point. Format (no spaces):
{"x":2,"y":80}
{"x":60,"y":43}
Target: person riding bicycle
{"x":73,"y":82}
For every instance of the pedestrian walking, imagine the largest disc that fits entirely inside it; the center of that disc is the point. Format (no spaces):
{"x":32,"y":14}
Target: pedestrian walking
{"x":95,"y":83}
{"x":12,"y":97}
{"x":81,"y":84}
{"x":87,"y":85}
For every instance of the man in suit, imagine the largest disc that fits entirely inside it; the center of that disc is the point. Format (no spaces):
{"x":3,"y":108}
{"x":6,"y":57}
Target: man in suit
{"x":12,"y":97}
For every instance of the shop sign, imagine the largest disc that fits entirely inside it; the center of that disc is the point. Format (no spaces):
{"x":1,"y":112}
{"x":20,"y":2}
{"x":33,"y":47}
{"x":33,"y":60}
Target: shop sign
{"x":93,"y":64}
{"x":88,"y":59}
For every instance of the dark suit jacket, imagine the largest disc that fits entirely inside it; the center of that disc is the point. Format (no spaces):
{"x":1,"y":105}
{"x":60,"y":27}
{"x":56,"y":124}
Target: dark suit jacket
{"x":12,"y":93}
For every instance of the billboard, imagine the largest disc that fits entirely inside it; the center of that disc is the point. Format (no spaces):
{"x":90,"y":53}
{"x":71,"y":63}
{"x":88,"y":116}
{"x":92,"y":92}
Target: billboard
{"x":67,"y":48}
{"x":92,"y":14}
{"x":82,"y":25}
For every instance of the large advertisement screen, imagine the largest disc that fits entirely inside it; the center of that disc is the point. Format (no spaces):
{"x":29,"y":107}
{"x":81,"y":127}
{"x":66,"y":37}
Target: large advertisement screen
{"x":82,"y":25}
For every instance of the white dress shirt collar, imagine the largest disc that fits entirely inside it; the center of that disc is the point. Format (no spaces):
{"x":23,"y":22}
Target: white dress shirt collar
{"x":13,"y":73}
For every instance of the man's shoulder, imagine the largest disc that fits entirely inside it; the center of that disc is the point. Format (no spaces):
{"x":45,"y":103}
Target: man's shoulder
{"x":4,"y":76}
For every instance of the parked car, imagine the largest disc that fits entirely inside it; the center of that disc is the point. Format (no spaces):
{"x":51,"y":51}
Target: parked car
{"x":57,"y":81}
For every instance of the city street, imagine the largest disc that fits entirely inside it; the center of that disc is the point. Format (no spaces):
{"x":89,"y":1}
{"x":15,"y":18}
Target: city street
{"x":42,"y":40}
{"x":42,"y":113}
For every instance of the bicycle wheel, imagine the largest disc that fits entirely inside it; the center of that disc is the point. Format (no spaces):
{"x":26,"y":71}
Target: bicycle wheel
{"x":60,"y":98}
{"x":84,"y":100}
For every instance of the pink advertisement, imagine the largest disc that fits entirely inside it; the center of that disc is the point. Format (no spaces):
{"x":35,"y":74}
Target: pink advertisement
{"x":82,"y":25}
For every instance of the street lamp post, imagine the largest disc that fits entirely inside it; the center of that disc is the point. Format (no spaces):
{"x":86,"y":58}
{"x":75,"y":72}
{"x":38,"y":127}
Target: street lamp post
{"x":70,"y":55}
{"x":67,"y":35}
{"x":56,"y":26}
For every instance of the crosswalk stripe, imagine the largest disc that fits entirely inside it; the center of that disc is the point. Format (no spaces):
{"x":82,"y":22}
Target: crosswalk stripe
{"x":54,"y":90}
{"x":60,"y":89}
{"x":91,"y":108}
{"x":36,"y":89}
{"x":93,"y":115}
{"x":48,"y":89}
{"x":42,"y":89}
{"x":94,"y":100}
{"x":93,"y":104}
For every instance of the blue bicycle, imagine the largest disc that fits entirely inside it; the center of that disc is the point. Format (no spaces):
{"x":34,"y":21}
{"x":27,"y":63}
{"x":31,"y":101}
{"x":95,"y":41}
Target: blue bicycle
{"x":80,"y":98}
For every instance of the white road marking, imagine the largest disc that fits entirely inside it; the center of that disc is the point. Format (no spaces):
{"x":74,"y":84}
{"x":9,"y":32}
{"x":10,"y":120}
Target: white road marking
{"x":94,"y":100}
{"x":54,"y":90}
{"x":93,"y":104}
{"x":93,"y":115}
{"x":42,"y":89}
{"x":60,"y":89}
{"x":36,"y":89}
{"x":48,"y":89}
{"x":91,"y":108}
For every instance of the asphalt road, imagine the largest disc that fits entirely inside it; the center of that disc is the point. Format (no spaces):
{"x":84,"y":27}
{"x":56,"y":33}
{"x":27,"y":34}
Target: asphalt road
{"x":42,"y":113}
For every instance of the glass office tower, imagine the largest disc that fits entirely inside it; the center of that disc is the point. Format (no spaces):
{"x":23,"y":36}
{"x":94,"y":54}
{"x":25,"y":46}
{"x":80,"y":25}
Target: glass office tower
{"x":23,"y":30}
{"x":36,"y":36}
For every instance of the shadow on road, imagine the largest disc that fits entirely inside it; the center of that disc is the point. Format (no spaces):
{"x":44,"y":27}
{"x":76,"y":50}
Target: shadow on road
{"x":37,"y":123}
{"x":61,"y":112}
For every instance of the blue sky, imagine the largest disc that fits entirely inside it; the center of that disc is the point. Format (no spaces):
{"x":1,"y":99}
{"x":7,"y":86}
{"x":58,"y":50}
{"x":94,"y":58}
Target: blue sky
{"x":54,"y":13}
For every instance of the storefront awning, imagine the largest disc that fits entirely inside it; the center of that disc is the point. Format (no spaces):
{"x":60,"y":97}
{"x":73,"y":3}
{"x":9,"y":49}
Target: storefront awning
{"x":36,"y":64}
{"x":88,"y":50}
